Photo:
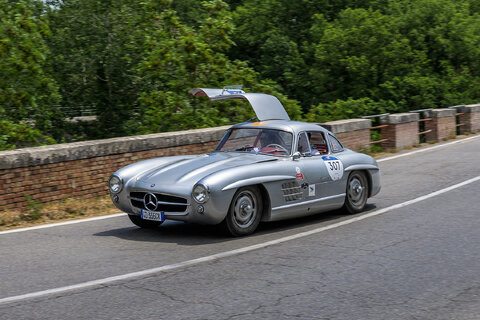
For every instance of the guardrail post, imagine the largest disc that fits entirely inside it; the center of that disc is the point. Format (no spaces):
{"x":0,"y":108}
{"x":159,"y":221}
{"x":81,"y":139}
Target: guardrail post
{"x":401,"y":130}
{"x":443,"y":124}
{"x":470,"y":118}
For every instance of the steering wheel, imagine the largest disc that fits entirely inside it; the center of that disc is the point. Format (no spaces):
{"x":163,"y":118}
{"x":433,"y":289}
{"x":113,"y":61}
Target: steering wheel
{"x":244,"y":148}
{"x":277,"y":146}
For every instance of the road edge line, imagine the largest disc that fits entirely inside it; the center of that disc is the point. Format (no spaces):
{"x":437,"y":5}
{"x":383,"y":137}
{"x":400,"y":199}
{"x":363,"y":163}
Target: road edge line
{"x":427,"y":149}
{"x":57,"y":224}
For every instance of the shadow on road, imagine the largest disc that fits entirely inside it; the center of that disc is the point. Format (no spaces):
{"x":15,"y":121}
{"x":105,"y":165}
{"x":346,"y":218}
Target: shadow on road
{"x":193,"y":235}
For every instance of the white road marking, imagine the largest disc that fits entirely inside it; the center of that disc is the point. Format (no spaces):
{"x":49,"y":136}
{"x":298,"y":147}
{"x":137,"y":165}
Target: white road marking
{"x":230,"y":253}
{"x":43,"y":226}
{"x":428,"y":148}
{"x":120,"y":214}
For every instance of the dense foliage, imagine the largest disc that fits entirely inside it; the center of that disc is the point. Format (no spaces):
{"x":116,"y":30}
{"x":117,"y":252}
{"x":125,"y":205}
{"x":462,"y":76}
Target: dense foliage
{"x":131,"y":63}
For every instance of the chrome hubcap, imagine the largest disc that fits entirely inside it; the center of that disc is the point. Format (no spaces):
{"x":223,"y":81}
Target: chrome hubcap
{"x":356,"y":191}
{"x":245,"y":209}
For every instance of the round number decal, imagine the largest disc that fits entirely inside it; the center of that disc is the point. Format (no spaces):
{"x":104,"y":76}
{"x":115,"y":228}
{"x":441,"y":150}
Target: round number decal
{"x":334,"y":167}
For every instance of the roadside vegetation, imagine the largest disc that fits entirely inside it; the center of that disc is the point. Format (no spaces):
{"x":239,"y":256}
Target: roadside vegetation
{"x":130,"y":63}
{"x":40,"y":213}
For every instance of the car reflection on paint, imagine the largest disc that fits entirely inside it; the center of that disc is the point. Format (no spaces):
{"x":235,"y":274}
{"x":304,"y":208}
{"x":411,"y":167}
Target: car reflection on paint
{"x":267,"y":170}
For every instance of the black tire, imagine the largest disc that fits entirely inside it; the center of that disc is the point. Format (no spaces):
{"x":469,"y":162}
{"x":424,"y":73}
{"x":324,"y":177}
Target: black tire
{"x":245,"y":212}
{"x":356,"y":193}
{"x":144,"y":223}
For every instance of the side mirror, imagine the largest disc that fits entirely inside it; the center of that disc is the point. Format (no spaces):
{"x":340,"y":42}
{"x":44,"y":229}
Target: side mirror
{"x":297,"y":155}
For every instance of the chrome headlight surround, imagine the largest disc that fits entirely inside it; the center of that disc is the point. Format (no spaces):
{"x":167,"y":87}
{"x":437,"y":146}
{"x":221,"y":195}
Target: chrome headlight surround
{"x":115,"y":184}
{"x":200,"y":193}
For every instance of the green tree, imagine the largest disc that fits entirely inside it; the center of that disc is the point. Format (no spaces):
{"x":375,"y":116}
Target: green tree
{"x":346,"y":109}
{"x":446,"y":34}
{"x":28,"y":93}
{"x":358,"y":52}
{"x":97,"y":46}
{"x":276,"y":38}
{"x":15,"y":135}
{"x":180,"y":57}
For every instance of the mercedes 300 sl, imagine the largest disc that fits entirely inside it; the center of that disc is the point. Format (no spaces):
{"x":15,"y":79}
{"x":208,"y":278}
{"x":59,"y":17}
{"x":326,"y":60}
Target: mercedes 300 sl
{"x":266,"y":170}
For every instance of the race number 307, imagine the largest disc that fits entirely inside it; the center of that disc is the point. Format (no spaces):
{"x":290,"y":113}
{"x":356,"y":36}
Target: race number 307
{"x":334,"y":165}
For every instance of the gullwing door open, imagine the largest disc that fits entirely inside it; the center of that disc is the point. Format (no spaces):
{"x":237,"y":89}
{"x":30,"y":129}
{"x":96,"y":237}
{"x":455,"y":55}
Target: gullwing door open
{"x":266,"y":107}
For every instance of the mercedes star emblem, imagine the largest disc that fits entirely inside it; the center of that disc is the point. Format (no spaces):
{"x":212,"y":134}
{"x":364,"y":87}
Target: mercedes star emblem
{"x":150,"y":201}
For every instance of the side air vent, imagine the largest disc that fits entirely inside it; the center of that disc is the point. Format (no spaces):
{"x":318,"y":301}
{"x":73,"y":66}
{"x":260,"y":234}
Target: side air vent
{"x":292,"y":191}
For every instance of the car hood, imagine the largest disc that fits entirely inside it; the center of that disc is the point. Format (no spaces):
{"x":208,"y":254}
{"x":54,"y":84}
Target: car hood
{"x":190,"y":170}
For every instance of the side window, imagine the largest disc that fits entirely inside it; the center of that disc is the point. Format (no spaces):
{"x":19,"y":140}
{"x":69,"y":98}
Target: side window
{"x":303,"y":145}
{"x":318,"y":144}
{"x":335,"y":145}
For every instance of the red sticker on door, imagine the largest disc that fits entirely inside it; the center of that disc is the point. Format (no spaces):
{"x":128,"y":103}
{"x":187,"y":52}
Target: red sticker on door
{"x":299,"y":176}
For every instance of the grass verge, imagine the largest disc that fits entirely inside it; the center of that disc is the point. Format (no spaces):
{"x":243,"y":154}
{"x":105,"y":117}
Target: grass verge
{"x":40,"y":213}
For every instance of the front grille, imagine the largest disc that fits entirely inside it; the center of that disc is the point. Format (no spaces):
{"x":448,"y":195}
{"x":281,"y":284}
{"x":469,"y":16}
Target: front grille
{"x":291,"y":191}
{"x":165,"y":202}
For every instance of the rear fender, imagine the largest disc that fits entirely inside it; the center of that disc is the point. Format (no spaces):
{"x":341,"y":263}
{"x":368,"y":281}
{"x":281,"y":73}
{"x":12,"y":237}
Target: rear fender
{"x":373,"y":176}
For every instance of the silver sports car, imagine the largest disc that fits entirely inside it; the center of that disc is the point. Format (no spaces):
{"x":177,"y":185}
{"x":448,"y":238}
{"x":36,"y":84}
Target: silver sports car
{"x":267,"y":170}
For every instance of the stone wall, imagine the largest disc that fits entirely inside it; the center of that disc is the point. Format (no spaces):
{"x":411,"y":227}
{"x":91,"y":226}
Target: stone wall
{"x":81,"y":169}
{"x":401,"y":130}
{"x":470,"y":119}
{"x":352,"y":133}
{"x":442,"y":124}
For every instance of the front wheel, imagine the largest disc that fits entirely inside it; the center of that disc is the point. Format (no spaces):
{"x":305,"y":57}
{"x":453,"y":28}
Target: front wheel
{"x":138,"y":221}
{"x":245,"y":212}
{"x":357,"y":192}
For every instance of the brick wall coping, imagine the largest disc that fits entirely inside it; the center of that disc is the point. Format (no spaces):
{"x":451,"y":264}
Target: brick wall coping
{"x":95,"y":148}
{"x":348,"y":125}
{"x":470,"y":108}
{"x":399,"y":118}
{"x":441,"y":113}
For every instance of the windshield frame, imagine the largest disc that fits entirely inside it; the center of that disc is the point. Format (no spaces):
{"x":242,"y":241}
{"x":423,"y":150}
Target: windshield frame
{"x":229,"y":132}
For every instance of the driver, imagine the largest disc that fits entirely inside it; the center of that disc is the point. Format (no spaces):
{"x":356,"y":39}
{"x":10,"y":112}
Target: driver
{"x":268,"y":140}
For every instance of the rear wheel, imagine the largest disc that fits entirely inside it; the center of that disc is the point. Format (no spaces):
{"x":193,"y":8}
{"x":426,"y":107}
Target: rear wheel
{"x":144,"y":223}
{"x":357,"y":192}
{"x":245,"y":212}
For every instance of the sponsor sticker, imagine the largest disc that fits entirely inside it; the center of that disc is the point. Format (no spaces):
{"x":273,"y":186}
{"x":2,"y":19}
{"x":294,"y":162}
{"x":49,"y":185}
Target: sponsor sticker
{"x":232,"y":91}
{"x":334,"y":167}
{"x":299,"y":173}
{"x":311,"y":190}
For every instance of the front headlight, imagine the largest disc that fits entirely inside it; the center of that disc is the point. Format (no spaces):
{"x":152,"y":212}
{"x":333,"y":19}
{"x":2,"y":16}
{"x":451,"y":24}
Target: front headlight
{"x":200,"y":193}
{"x":115,"y":184}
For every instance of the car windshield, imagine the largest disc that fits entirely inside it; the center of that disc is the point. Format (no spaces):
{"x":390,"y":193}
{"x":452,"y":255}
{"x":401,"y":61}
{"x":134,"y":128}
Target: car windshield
{"x":266,"y":141}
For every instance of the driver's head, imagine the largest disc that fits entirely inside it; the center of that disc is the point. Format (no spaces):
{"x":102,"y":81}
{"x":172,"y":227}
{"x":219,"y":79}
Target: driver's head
{"x":268,"y":137}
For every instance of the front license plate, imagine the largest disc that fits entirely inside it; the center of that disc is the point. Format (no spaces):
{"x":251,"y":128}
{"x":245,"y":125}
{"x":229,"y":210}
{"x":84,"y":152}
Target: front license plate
{"x":152,"y":215}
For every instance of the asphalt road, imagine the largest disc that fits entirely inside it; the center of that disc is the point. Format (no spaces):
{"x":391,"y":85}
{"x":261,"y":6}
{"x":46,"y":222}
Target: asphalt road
{"x":417,"y":260}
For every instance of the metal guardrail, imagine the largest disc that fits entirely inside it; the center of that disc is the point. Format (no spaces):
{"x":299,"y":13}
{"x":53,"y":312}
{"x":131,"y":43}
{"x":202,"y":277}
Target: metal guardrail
{"x":78,"y":111}
{"x":458,"y":122}
{"x":421,"y":123}
{"x":380,"y":126}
